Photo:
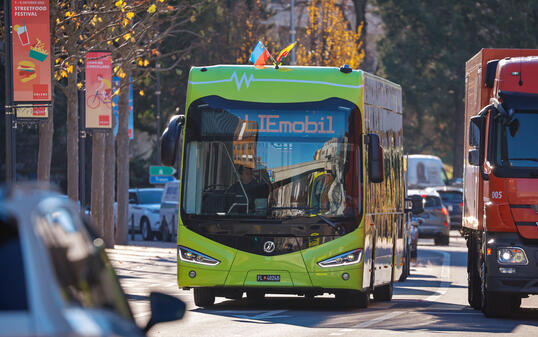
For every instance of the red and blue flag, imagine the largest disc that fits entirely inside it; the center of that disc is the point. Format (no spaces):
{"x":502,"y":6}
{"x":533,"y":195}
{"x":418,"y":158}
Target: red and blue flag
{"x":259,"y":55}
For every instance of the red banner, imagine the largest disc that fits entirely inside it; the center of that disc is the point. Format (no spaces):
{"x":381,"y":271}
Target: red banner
{"x":98,"y":90}
{"x":30,"y":45}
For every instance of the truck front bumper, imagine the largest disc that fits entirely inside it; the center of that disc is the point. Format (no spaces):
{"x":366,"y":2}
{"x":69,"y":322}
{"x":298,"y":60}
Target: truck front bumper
{"x":510,"y":278}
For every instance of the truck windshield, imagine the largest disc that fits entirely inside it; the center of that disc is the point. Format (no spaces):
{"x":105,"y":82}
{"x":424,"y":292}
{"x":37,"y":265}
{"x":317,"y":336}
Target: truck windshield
{"x":516,"y":140}
{"x":269,"y":160}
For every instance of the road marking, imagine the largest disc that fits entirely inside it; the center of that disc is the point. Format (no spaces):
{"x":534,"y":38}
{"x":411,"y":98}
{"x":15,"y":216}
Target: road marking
{"x":265,"y":315}
{"x":379,"y":319}
{"x":142,"y":314}
{"x":445,"y":278}
{"x":449,"y":313}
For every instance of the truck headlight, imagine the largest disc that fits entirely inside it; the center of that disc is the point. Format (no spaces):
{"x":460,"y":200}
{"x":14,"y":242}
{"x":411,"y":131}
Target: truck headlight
{"x":189,"y":255}
{"x":347,"y":258}
{"x":511,"y":255}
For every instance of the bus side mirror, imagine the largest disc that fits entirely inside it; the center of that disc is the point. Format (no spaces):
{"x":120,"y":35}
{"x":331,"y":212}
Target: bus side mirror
{"x":170,"y":140}
{"x":474,"y":157}
{"x":376,"y":170}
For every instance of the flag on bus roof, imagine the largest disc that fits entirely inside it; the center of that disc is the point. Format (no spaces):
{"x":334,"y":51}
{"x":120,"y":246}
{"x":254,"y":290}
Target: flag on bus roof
{"x":285,"y":52}
{"x":259,"y":55}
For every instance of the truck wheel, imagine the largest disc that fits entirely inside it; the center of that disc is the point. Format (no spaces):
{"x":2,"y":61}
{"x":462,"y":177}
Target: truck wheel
{"x":204,"y":297}
{"x":353,"y":299}
{"x":383,"y":293}
{"x":494,"y":304}
{"x":147,"y":233}
{"x":474,"y":295}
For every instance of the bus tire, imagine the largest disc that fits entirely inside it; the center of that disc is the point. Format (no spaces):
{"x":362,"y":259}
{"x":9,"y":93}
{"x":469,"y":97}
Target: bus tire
{"x":353,"y":299}
{"x":255,"y":296}
{"x":383,"y":293}
{"x":204,"y":297}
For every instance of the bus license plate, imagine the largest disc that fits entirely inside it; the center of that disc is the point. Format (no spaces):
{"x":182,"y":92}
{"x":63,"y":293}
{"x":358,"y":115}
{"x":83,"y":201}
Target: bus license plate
{"x":268,"y":278}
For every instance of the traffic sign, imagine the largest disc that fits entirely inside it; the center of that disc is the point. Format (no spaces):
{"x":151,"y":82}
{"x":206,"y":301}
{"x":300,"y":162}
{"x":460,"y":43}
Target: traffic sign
{"x":160,"y":179}
{"x":161,"y":170}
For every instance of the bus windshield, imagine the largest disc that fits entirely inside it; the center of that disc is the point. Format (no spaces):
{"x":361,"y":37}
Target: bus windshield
{"x":270,"y":160}
{"x":516,"y":140}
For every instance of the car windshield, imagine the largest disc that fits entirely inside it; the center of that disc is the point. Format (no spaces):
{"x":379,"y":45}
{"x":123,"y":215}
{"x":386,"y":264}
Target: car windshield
{"x":268,"y":160}
{"x":431,"y":201}
{"x":516,"y":140}
{"x":150,"y":196}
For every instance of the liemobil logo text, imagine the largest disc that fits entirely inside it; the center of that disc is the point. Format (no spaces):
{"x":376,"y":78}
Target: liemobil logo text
{"x":269,"y":247}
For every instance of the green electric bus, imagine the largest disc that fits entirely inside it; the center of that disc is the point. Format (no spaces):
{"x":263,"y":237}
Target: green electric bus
{"x":291,"y":183}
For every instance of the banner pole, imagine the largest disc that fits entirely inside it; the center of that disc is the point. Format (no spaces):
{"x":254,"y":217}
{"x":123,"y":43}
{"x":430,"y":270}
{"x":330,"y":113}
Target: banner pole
{"x":9,"y":110}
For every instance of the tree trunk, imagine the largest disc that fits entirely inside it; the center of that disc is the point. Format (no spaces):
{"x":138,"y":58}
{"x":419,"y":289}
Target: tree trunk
{"x":44,"y":157}
{"x":97,"y":194}
{"x":109,"y":188}
{"x":72,"y":134}
{"x":123,"y":162}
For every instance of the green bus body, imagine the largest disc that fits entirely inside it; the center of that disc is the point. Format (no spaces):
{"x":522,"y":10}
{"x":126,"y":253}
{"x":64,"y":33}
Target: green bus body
{"x":379,"y":226}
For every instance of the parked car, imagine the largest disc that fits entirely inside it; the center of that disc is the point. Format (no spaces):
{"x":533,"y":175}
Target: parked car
{"x":169,"y":210}
{"x":452,"y":198}
{"x":144,"y":205}
{"x":56,"y":277}
{"x":436,"y":223}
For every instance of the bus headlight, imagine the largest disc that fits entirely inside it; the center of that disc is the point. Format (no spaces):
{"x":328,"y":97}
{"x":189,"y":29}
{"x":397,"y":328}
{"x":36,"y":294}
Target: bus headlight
{"x":511,"y":255}
{"x":347,"y":258}
{"x":189,"y":255}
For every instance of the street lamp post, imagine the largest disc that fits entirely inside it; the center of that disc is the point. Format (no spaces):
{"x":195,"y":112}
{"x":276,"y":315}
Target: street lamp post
{"x":11,"y":123}
{"x":158,"y":118}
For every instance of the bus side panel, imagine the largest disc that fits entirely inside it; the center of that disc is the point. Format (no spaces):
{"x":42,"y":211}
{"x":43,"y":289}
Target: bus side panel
{"x":385,"y":200}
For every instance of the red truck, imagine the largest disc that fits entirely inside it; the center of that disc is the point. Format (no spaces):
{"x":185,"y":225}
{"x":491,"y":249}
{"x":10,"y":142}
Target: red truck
{"x":500,"y":206}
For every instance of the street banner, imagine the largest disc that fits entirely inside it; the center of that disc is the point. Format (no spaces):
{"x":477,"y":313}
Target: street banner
{"x":30,"y":45}
{"x":115,"y":107}
{"x":98,"y":68}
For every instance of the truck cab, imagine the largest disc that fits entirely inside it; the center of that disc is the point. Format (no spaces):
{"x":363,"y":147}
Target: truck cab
{"x":500,"y":215}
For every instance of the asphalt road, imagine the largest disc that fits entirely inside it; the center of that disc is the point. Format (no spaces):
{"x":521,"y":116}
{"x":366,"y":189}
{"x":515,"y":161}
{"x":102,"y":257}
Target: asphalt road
{"x":433,"y":300}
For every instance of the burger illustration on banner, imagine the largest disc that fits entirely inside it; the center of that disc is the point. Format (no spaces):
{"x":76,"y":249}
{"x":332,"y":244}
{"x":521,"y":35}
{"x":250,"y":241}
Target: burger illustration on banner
{"x":26,"y":70}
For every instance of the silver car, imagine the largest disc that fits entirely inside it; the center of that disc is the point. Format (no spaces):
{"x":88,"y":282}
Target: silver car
{"x":436,"y":220}
{"x":56,"y":277}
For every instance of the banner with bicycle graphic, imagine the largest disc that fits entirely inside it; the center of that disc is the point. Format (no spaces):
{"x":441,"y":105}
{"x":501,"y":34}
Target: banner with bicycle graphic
{"x":98,"y":90}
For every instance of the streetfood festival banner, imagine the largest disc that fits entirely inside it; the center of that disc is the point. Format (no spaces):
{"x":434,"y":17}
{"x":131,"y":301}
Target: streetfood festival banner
{"x":30,"y":45}
{"x":98,"y":90}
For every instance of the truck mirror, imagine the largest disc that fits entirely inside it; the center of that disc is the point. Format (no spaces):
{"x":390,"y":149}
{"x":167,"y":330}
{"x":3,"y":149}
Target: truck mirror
{"x":474,"y":157}
{"x":170,"y":140}
{"x":376,"y":170}
{"x":491,"y":71}
{"x":475,"y":130}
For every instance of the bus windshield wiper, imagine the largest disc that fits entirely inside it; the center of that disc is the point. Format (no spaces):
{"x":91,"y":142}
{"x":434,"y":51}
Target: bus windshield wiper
{"x":529,"y":159}
{"x":339,"y":229}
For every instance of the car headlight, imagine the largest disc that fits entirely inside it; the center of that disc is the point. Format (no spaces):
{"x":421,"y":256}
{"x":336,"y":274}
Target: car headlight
{"x":347,"y":258}
{"x":511,"y":255}
{"x":189,"y":255}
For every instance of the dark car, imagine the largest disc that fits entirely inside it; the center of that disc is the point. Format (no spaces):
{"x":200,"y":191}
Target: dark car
{"x":436,"y":220}
{"x":56,"y":277}
{"x":452,"y":198}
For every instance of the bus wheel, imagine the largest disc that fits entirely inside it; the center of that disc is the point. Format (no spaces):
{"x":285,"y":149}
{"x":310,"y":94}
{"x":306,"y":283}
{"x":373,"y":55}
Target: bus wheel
{"x":353,"y":299}
{"x":255,"y":296}
{"x":204,"y":297}
{"x":383,"y":293}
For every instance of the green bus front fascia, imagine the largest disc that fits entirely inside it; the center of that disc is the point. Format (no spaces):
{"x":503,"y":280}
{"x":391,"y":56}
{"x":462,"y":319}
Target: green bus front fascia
{"x":298,"y":269}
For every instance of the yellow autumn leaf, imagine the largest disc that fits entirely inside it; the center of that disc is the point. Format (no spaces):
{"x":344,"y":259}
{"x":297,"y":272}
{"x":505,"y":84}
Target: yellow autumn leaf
{"x":63,"y":73}
{"x":118,"y":3}
{"x":70,"y":69}
{"x":152,"y":9}
{"x":79,"y":85}
{"x":141,"y":92}
{"x":161,"y":1}
{"x":124,"y":22}
{"x":127,"y":36}
{"x":146,"y":63}
{"x":129,"y":15}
